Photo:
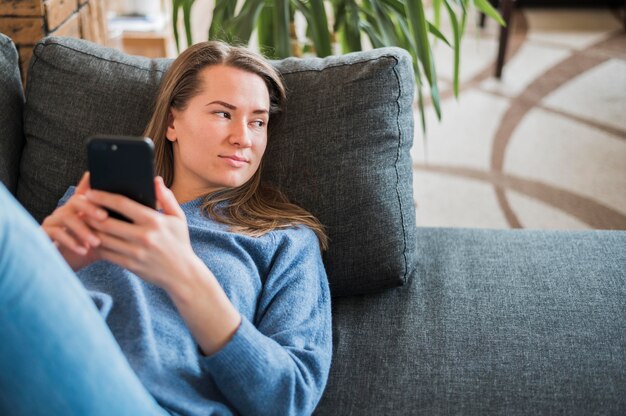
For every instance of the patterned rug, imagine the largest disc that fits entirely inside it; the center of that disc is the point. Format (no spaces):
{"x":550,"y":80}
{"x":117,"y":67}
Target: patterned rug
{"x":542,"y":148}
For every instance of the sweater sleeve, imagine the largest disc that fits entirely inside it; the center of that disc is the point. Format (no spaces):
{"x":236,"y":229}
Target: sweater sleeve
{"x":280,"y":364}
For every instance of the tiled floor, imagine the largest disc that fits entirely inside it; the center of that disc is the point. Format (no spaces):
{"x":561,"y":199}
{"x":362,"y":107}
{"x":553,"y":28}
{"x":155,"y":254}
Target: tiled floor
{"x":545,"y":146}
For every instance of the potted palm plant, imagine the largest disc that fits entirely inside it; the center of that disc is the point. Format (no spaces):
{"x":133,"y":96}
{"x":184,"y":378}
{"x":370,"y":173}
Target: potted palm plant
{"x":342,"y":26}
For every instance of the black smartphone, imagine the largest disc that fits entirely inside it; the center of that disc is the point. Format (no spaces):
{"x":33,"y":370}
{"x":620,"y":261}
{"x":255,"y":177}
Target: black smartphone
{"x":122,"y":165}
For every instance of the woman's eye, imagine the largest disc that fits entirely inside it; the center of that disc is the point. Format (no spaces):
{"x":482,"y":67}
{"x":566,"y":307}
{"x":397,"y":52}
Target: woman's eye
{"x":223,"y":114}
{"x":258,"y":123}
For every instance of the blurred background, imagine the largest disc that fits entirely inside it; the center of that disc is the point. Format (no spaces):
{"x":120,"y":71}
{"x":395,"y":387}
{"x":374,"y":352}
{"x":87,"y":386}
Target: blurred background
{"x":543,"y":146}
{"x":536,"y":141}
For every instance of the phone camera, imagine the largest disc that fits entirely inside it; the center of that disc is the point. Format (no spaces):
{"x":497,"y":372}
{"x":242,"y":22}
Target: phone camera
{"x":114,"y":147}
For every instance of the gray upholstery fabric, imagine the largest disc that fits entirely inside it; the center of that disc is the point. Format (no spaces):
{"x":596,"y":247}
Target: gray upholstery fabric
{"x":76,"y":89}
{"x":498,"y":322}
{"x":11,"y":104}
{"x":342,"y":151}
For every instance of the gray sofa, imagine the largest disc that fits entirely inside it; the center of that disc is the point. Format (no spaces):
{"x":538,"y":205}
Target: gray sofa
{"x":425,"y":320}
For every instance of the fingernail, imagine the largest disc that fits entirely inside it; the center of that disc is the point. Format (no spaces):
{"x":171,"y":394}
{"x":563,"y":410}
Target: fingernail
{"x":101,"y":214}
{"x":94,"y":241}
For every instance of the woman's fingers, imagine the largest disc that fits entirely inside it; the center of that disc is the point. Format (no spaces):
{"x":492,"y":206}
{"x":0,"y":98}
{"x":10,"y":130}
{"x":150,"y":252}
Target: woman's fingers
{"x":73,"y":218}
{"x":62,"y":238}
{"x":121,"y":252}
{"x":117,"y":228}
{"x":83,"y":206}
{"x":133,"y":210}
{"x":83,"y":184}
{"x":69,"y":231}
{"x":67,"y":225}
{"x":78,"y":227}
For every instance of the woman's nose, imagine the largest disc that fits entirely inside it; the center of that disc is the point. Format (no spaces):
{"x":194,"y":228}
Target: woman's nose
{"x":240,"y":135}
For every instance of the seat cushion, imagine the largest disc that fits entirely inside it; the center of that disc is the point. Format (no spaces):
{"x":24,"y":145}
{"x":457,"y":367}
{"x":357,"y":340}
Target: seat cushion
{"x":342,"y":151}
{"x":11,"y":104}
{"x":500,"y":322}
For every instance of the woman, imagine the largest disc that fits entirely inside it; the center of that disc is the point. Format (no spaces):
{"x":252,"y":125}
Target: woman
{"x":217,"y":304}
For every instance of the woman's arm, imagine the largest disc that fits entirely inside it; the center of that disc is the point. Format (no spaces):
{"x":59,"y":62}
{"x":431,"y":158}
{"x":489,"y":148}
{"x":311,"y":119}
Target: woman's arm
{"x":207,"y":311}
{"x":279,"y":364}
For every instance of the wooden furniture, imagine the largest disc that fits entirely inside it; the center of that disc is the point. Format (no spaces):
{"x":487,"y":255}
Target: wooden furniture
{"x":506,"y":11}
{"x":150,"y":44}
{"x":27,"y":21}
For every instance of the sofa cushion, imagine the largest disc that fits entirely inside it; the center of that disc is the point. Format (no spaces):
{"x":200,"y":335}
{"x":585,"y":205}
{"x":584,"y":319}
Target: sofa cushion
{"x":76,"y":89}
{"x":342,"y":151}
{"x":500,"y":322}
{"x":11,"y":104}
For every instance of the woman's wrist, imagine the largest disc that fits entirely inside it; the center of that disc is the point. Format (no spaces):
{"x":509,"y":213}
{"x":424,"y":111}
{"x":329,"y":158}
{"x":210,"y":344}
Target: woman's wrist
{"x":182,"y":287}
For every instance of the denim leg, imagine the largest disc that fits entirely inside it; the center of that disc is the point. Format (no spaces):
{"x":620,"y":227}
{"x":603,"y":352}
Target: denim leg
{"x":57,"y":356}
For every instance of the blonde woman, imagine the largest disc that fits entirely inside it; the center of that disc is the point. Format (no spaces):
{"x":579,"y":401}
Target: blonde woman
{"x":216,"y":304}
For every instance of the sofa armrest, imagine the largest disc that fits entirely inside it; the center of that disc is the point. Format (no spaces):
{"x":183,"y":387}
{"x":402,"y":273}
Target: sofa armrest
{"x":11,"y":106}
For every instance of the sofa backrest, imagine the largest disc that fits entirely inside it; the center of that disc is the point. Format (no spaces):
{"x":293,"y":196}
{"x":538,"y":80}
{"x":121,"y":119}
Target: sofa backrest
{"x":11,"y":104}
{"x":342,"y":151}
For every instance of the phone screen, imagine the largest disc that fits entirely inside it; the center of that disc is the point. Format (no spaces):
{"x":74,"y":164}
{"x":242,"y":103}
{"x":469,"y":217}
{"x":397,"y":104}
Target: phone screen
{"x":122,"y":165}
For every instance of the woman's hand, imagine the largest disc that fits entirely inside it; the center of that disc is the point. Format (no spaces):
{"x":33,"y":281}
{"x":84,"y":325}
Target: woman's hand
{"x":155,"y":246}
{"x":67,"y":227}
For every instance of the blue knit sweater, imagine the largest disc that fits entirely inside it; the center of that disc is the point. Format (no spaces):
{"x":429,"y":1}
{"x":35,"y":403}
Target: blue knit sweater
{"x":278,"y":361}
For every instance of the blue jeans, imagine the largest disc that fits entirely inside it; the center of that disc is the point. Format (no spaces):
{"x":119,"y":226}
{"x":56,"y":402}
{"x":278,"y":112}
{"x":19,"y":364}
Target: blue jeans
{"x":57,"y":356}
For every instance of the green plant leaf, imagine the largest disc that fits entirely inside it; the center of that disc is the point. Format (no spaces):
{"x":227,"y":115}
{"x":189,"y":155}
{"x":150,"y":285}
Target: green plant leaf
{"x":315,"y":14}
{"x":224,"y":11}
{"x":320,"y":28}
{"x":385,"y":25}
{"x":374,"y":37}
{"x":265,"y":31}
{"x":457,"y":46}
{"x":396,"y":5}
{"x":486,"y":7}
{"x":176,"y":5}
{"x":240,"y":28}
{"x":463,"y":3}
{"x":434,"y":88}
{"x":419,"y":30}
{"x":463,"y":23}
{"x":351,"y":33}
{"x":404,"y":34}
{"x":187,"y":19}
{"x":437,"y":12}
{"x":339,"y":11}
{"x":282,"y":38}
{"x":433,"y":29}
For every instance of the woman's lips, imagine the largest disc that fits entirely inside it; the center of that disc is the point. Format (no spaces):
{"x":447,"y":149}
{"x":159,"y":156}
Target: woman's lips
{"x":235,"y":161}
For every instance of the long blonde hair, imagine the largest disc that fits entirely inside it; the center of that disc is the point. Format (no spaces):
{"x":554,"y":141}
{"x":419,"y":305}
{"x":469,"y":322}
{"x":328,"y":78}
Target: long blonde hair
{"x":254,"y":208}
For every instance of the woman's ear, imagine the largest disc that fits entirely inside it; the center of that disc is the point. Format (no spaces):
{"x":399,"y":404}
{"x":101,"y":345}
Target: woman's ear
{"x":171,"y":130}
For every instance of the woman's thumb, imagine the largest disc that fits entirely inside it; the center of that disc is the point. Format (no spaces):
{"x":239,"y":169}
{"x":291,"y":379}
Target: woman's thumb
{"x":167,"y":200}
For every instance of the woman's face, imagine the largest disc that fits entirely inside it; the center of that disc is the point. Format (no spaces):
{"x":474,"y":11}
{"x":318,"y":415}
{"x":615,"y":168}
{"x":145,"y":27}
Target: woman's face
{"x":219,"y":139}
